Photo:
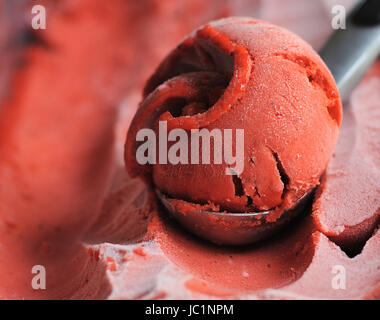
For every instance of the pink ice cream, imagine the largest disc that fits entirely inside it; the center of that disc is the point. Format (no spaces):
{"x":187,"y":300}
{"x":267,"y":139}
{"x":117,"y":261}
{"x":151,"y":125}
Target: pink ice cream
{"x":67,"y":203}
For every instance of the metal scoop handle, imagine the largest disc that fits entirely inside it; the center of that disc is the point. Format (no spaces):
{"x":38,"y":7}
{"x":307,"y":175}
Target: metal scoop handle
{"x":350,"y":52}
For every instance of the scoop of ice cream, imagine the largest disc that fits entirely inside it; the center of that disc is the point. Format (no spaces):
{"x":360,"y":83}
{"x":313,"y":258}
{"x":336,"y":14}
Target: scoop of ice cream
{"x":239,"y":73}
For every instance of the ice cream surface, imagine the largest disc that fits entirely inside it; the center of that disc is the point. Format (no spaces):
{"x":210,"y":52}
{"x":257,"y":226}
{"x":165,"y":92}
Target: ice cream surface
{"x":60,"y":86}
{"x":67,"y":203}
{"x":302,"y":261}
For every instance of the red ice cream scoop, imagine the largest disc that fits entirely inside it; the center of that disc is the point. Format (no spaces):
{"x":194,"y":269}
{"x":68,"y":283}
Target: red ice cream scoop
{"x":243,"y":77}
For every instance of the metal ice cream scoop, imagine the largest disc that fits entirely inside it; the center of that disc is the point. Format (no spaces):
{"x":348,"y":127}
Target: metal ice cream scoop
{"x":348,"y":54}
{"x":234,"y":228}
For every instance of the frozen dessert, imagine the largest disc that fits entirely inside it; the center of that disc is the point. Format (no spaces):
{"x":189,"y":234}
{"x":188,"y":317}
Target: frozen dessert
{"x":239,"y":73}
{"x":301,"y":262}
{"x":67,"y":97}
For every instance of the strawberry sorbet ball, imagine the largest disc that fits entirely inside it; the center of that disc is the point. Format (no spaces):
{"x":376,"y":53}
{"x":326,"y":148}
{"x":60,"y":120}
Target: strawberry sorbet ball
{"x":239,"y":73}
